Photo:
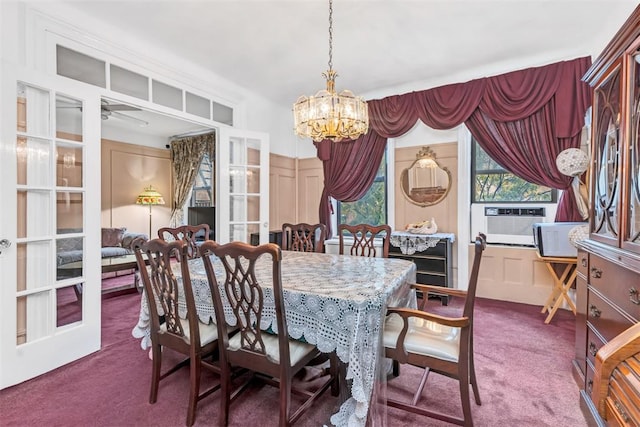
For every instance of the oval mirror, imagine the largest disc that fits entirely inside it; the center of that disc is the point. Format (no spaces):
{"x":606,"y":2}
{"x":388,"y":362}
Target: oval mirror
{"x":425,"y":183}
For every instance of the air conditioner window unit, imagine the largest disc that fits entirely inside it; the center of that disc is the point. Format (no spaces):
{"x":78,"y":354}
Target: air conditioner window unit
{"x":509,"y":224}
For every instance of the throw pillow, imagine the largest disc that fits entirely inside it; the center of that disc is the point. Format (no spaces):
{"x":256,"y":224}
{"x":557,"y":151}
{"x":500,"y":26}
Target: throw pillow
{"x":112,"y":237}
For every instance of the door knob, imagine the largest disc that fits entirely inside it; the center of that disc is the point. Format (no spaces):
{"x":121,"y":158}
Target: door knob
{"x":4,"y":244}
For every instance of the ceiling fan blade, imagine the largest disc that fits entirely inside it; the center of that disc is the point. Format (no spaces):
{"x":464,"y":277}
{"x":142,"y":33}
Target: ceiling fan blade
{"x":139,"y":122}
{"x":118,"y":107}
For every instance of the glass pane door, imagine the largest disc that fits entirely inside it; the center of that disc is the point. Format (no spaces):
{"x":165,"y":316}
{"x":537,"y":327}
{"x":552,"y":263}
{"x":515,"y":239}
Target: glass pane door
{"x":244,"y":186}
{"x":48,"y":307}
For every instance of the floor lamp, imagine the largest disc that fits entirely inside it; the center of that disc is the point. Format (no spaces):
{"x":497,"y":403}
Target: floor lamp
{"x":150,"y":197}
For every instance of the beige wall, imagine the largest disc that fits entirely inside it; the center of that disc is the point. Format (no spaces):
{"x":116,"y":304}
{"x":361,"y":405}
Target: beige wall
{"x":513,"y":274}
{"x":294,"y":199}
{"x":310,"y":185}
{"x":282,"y":191}
{"x":126,"y":170}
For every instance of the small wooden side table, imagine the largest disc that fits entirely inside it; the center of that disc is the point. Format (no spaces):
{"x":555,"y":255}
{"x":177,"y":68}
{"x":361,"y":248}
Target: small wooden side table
{"x":562,"y":284}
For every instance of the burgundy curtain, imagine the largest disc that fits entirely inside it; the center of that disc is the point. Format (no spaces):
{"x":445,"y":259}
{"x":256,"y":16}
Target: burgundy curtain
{"x":522,"y":119}
{"x":349,"y":170}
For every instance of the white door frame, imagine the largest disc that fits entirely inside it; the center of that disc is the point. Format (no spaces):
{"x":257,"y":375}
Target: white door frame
{"x":60,"y":345}
{"x":224,"y":190}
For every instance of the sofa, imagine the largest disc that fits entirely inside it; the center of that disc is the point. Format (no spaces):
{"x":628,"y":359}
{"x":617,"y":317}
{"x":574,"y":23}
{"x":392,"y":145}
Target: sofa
{"x":116,"y":242}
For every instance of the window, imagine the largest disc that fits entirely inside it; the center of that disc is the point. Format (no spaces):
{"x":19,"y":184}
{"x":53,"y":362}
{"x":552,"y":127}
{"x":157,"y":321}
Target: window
{"x":492,"y":183}
{"x":202,"y":194}
{"x":372,"y":207}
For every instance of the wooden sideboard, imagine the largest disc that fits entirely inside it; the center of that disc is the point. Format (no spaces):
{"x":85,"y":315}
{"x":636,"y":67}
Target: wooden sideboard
{"x":607,"y":299}
{"x":433,"y":263}
{"x":608,"y":279}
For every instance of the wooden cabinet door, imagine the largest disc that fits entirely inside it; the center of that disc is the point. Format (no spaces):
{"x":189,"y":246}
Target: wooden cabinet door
{"x":631,"y":235}
{"x":605,"y":222}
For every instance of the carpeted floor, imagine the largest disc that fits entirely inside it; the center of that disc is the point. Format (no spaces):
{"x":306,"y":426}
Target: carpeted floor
{"x":523,"y":368}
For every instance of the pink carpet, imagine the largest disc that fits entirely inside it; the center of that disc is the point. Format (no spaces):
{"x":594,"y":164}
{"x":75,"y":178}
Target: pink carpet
{"x":523,"y":369}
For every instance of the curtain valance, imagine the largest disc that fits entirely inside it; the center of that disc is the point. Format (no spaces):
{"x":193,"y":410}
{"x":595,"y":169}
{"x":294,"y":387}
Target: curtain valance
{"x":552,"y":100}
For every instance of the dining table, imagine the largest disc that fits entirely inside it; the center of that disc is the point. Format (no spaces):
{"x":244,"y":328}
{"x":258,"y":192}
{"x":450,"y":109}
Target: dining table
{"x":336,"y":302}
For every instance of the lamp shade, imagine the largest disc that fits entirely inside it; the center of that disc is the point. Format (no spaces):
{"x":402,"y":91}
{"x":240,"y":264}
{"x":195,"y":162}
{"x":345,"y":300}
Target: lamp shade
{"x":572,"y":162}
{"x":150,"y":196}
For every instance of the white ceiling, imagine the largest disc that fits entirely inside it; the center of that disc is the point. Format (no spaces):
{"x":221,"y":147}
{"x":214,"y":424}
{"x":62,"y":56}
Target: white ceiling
{"x":280,"y":48}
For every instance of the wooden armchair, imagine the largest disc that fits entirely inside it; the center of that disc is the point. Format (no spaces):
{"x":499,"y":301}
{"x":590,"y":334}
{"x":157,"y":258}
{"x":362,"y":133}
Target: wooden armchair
{"x":437,"y":343}
{"x":616,"y":389}
{"x":188,"y":336}
{"x":186,"y":233}
{"x":274,"y":359}
{"x":303,"y":237}
{"x":364,"y":236}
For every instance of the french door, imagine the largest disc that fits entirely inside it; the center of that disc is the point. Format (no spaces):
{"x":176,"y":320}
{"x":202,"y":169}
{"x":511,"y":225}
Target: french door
{"x":50,"y":163}
{"x":243,"y":186}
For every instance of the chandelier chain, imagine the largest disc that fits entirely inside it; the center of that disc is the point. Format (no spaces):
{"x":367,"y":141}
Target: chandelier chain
{"x":330,"y":35}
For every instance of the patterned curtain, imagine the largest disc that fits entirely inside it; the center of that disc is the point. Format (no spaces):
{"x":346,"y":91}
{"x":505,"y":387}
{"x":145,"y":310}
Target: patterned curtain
{"x":186,"y":156}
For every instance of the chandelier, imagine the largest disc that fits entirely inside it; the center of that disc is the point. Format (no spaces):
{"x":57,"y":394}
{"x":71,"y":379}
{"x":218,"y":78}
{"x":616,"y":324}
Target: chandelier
{"x":327,"y":114}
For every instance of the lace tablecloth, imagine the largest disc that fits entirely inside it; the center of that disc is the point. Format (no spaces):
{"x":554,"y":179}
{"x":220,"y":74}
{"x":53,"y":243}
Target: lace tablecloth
{"x":337,"y":302}
{"x":410,"y":243}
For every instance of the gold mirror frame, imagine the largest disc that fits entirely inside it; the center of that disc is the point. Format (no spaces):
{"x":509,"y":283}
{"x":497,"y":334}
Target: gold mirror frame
{"x":423,"y":183}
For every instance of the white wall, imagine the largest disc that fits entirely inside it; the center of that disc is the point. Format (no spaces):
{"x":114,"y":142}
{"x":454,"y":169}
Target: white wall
{"x":26,"y":28}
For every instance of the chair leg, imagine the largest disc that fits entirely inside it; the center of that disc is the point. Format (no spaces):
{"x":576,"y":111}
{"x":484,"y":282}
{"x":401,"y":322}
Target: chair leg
{"x":194,"y":378}
{"x":225,"y":396}
{"x":465,"y":399}
{"x":474,"y":382}
{"x":156,"y":354}
{"x":334,"y":371}
{"x":396,"y":368}
{"x":285,"y":401}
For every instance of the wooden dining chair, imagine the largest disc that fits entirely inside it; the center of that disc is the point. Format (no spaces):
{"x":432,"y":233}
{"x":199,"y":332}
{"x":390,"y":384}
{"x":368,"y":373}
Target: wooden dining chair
{"x":303,"y":237}
{"x":364,"y":239}
{"x":272,"y":358}
{"x":186,"y":335}
{"x":437,"y":343}
{"x":188,"y":234}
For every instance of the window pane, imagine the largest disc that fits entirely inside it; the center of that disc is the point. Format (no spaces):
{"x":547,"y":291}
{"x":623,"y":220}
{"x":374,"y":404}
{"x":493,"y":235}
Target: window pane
{"x":79,"y":66}
{"x":222,"y":114}
{"x":129,"y":83}
{"x":202,"y":194}
{"x":371,"y":209}
{"x":166,"y":95}
{"x":198,"y":105}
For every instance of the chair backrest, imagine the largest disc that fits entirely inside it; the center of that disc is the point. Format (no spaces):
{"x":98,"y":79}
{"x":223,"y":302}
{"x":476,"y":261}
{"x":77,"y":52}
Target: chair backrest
{"x":303,"y":237}
{"x":480,"y":245}
{"x":364,"y":236}
{"x":161,"y":289}
{"x":188,"y":234}
{"x":245,"y":296}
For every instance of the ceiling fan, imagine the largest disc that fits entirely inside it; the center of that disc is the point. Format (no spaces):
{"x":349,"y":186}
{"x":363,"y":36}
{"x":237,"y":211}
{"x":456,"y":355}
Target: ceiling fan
{"x":108,"y":110}
{"x":113,"y":110}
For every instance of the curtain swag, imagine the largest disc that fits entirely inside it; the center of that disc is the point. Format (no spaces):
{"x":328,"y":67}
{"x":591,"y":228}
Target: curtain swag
{"x":186,"y":156}
{"x":522,"y":119}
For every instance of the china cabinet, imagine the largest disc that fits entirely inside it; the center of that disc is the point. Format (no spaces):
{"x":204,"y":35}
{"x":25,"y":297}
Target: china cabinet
{"x":608,"y":279}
